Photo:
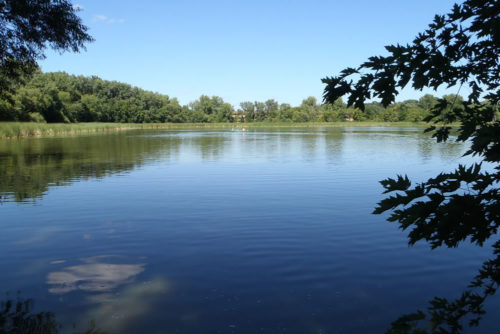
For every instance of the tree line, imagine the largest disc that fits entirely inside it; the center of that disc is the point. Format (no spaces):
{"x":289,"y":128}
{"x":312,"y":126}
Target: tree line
{"x":60,"y":97}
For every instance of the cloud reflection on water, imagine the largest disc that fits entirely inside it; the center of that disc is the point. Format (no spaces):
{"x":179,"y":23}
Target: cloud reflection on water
{"x":115,"y":312}
{"x":93,"y":276}
{"x":113,"y":307}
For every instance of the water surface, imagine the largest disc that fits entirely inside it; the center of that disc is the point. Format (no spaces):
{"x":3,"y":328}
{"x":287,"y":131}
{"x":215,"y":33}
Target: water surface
{"x":213,"y":231}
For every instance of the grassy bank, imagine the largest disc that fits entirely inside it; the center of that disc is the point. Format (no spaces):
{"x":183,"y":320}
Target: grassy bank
{"x":26,"y":129}
{"x":17,"y":129}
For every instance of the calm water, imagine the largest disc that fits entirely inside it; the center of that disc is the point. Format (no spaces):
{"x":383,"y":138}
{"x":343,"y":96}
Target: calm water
{"x":213,"y":231}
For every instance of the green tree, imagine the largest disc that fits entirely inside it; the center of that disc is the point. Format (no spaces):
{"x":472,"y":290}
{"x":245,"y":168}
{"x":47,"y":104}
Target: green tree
{"x":329,"y":113}
{"x":309,"y":109}
{"x":339,"y":104}
{"x":373,"y":110}
{"x":248,"y":109}
{"x":63,"y":97}
{"x":224,"y":113}
{"x":261,"y":112}
{"x":333,"y":112}
{"x":285,"y":112}
{"x":271,"y":105}
{"x":309,"y":102}
{"x":285,"y":106}
{"x":389,"y":115}
{"x":300,"y":115}
{"x":459,"y":49}
{"x":28,"y":27}
{"x":214,"y":108}
{"x":351,"y":114}
{"x":90,"y":110}
{"x":427,"y":102}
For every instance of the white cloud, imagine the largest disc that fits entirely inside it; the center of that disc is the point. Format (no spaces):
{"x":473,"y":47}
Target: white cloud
{"x":78,"y":7}
{"x":109,"y":20}
{"x":100,"y":18}
{"x":112,"y":20}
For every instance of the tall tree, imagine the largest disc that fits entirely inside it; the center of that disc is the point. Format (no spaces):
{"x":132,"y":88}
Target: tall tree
{"x":28,"y":27}
{"x":459,"y":49}
{"x":248,"y":109}
{"x":271,"y":105}
{"x":260,"y":111}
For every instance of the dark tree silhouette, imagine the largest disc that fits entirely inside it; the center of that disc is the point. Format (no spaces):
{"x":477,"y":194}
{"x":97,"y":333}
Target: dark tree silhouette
{"x":460,"y":48}
{"x":17,"y":317}
{"x":28,"y":27}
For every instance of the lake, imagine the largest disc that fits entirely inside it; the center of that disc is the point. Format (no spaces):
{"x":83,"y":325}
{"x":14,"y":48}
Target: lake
{"x":219,"y":231}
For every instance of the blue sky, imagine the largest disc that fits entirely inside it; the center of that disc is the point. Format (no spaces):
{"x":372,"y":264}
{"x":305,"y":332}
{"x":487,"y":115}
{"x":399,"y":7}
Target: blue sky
{"x":249,"y":50}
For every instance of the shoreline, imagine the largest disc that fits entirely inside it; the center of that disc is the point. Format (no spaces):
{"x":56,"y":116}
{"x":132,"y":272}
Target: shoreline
{"x":17,"y":130}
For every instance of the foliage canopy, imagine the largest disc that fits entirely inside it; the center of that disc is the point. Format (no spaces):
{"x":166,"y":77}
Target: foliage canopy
{"x":28,"y":27}
{"x":60,"y":97}
{"x":459,"y":49}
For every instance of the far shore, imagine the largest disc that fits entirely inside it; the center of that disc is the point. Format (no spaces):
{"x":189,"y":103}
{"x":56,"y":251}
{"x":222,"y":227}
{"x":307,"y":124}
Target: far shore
{"x":13,"y":130}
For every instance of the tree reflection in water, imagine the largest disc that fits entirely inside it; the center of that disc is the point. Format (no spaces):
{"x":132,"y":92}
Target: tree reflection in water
{"x":17,"y":317}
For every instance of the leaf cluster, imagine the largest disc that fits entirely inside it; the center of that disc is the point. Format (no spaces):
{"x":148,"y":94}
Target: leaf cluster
{"x":459,"y":49}
{"x":447,"y":209}
{"x":446,"y":316}
{"x":28,"y":27}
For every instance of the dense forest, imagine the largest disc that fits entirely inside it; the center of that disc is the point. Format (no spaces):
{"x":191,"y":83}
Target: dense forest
{"x":60,"y":97}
